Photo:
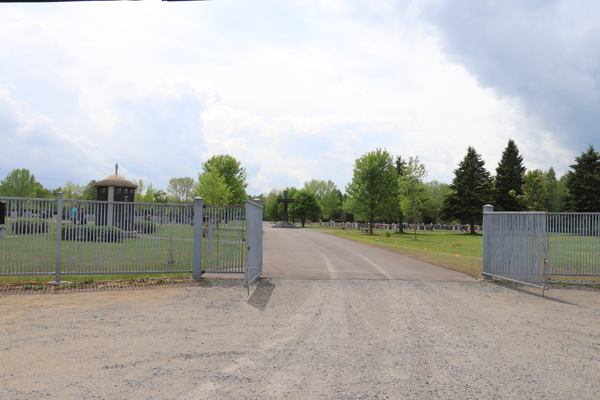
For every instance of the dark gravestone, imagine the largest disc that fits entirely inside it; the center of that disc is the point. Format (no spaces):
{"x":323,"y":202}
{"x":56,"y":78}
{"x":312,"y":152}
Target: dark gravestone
{"x":2,"y":212}
{"x":285,"y":202}
{"x":285,"y":223}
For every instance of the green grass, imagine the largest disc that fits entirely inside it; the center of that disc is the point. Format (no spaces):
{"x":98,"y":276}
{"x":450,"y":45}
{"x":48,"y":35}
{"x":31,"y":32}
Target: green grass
{"x":454,"y":250}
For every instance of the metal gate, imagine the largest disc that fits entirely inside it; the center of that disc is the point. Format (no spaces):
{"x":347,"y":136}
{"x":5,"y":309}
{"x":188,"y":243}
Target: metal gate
{"x":516,"y":246}
{"x":253,"y":262}
{"x":223,"y":238}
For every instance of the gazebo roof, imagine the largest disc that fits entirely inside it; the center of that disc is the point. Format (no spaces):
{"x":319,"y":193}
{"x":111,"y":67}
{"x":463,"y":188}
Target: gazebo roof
{"x":116,"y":180}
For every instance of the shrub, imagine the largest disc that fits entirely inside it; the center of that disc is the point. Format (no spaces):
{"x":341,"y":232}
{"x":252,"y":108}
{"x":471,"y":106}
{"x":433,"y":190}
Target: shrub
{"x":388,"y":234}
{"x":92,"y":233}
{"x":325,"y":220}
{"x":29,"y":225}
{"x":144,"y":227}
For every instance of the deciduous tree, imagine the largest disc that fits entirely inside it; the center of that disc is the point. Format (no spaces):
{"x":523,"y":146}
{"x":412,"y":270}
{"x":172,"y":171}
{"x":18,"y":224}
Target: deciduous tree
{"x":326,"y":194}
{"x":373,"y":191}
{"x":412,"y":190}
{"x":212,"y":187}
{"x":534,"y":191}
{"x":400,"y":167}
{"x":181,"y":189}
{"x":435,"y":194}
{"x":305,"y":206}
{"x":232,"y":173}
{"x":18,"y":183}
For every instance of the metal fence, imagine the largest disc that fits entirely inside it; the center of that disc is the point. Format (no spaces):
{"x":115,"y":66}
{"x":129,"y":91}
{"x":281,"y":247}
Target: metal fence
{"x":26,"y":238}
{"x":574,"y":244}
{"x":528,"y":246}
{"x":254,"y":250}
{"x":68,"y":237}
{"x":225,"y":234}
{"x":516,"y":246}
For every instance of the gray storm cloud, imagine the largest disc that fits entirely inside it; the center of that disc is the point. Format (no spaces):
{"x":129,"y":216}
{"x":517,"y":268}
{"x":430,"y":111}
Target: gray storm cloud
{"x":545,"y":53}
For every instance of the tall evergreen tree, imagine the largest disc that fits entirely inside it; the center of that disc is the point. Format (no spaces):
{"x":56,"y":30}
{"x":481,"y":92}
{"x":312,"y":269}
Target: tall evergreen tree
{"x":509,"y":176}
{"x":583,"y":183}
{"x":471,"y":190}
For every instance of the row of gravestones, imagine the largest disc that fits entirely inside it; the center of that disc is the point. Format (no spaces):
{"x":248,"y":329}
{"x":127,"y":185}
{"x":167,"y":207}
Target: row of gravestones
{"x":395,"y":227}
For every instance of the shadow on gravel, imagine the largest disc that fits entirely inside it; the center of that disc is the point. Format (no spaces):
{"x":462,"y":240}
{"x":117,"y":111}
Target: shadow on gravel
{"x":261,"y":295}
{"x":546,"y":297}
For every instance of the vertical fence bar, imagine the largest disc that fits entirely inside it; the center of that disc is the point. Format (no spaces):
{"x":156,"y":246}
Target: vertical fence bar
{"x":59,"y":206}
{"x":488,"y":227}
{"x":198,"y":216}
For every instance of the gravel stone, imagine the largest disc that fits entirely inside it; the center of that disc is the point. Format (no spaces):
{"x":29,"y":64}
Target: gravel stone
{"x":362,"y":339}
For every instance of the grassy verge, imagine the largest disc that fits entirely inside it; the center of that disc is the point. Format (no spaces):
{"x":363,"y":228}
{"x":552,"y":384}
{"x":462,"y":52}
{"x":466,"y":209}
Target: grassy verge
{"x":456,"y":251}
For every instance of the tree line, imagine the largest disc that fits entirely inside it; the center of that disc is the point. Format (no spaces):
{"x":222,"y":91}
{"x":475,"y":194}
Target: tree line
{"x":222,"y":181}
{"x":383,"y":188}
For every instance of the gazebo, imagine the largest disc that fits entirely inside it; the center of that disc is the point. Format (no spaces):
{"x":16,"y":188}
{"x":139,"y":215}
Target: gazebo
{"x":115,"y":188}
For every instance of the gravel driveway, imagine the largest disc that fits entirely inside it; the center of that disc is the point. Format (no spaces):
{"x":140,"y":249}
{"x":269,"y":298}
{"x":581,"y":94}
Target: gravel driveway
{"x":367,"y":339}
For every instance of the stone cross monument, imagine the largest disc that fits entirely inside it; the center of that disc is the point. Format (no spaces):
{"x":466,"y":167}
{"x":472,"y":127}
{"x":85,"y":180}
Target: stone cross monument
{"x":285,"y":202}
{"x":285,"y":223}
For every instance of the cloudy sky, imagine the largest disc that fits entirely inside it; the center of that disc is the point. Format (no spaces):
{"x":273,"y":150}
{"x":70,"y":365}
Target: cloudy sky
{"x":293,"y":89}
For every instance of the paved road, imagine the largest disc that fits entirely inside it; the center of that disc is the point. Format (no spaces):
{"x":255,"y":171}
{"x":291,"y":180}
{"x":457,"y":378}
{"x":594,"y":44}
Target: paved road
{"x":311,"y":254}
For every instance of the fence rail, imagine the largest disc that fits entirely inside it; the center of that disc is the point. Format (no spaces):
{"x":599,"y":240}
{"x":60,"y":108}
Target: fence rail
{"x":82,"y":237}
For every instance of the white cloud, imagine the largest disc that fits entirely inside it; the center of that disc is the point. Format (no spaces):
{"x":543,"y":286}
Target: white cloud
{"x":294,"y":90}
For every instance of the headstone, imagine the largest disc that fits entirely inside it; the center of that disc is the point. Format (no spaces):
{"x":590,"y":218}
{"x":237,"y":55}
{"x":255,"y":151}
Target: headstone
{"x":2,"y":212}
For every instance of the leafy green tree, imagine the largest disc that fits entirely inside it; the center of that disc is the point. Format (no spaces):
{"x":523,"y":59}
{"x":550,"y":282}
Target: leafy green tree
{"x":19,"y":183}
{"x":89,"y":191}
{"x":326,"y":194}
{"x":534,"y":191}
{"x":509,"y":176}
{"x":160,"y":196}
{"x":140,"y":191}
{"x":557,"y":190}
{"x":400,"y":167}
{"x":270,"y":204}
{"x":412,"y":190}
{"x":471,"y":190}
{"x":181,"y":189}
{"x":435,"y":195}
{"x":233,"y":174}
{"x":305,"y":206}
{"x":583,"y":183}
{"x":40,"y":192}
{"x":73,"y":191}
{"x":212,"y":187}
{"x":373,"y":191}
{"x":148,"y":196}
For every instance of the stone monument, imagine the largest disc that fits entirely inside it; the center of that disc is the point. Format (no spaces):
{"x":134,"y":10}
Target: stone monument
{"x":285,"y":223}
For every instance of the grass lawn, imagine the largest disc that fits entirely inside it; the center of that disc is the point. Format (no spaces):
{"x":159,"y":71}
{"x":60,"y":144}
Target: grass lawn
{"x":453,"y":250}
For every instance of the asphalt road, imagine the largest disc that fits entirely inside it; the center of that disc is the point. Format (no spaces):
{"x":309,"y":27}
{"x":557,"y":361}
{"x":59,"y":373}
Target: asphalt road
{"x":311,"y":254}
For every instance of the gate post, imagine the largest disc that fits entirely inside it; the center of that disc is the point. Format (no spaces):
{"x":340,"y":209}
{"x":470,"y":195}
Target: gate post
{"x":199,"y":225}
{"x":59,"y":209}
{"x":488,"y":227}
